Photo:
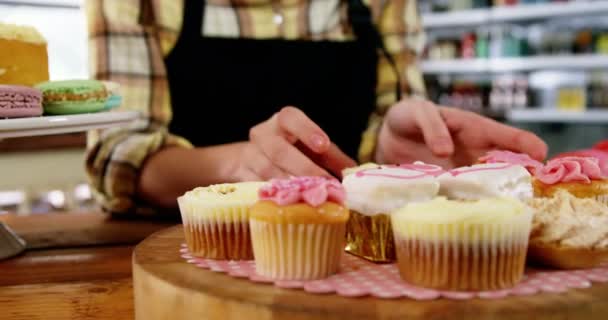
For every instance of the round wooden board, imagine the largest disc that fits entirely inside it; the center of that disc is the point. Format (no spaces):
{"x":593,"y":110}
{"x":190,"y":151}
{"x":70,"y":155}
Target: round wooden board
{"x":167,"y":287}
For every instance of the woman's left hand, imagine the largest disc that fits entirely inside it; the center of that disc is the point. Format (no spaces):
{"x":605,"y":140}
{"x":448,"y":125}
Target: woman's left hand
{"x":416,"y":129}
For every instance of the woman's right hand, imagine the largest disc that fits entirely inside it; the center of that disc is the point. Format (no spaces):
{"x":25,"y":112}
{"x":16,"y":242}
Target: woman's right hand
{"x":289,"y":143}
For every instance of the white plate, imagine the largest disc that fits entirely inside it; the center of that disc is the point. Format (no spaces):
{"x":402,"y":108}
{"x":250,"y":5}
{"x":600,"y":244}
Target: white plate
{"x":47,"y":125}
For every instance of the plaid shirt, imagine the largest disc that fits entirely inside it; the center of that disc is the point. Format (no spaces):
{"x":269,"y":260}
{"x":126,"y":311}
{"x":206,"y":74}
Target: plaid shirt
{"x":129,"y":39}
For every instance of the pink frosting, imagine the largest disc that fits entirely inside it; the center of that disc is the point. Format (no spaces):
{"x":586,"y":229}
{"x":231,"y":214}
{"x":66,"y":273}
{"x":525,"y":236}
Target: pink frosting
{"x":521,"y":159}
{"x":311,"y":190}
{"x":570,"y":169}
{"x":422,"y":169}
{"x":429,"y":169}
{"x":464,"y":170}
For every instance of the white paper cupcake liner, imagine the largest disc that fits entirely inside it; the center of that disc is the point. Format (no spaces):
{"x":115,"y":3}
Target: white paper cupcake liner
{"x":464,"y":256}
{"x":217,"y":233}
{"x":296,"y":251}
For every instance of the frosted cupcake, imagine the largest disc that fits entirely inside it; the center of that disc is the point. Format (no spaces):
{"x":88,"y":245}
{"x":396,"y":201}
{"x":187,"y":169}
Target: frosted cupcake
{"x":462,"y":245}
{"x":216,"y":220}
{"x":569,"y":232}
{"x":503,"y":156}
{"x":487,"y":180}
{"x":372,"y":193}
{"x":298,"y":228}
{"x":581,"y":176}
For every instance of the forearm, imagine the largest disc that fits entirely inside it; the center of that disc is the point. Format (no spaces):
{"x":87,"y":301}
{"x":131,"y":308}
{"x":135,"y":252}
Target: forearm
{"x":170,"y":172}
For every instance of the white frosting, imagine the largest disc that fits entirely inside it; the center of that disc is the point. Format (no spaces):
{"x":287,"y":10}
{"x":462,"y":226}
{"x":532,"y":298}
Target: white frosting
{"x":386,"y":189}
{"x":487,"y":180}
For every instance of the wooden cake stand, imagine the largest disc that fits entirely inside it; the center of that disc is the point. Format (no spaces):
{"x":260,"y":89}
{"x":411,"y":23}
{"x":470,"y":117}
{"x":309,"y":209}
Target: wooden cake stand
{"x":167,"y":287}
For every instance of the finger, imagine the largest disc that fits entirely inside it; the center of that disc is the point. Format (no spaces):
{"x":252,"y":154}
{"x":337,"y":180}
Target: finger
{"x":260,"y":166}
{"x":293,"y":122}
{"x":249,"y":175}
{"x":517,"y":140}
{"x":434,"y":130}
{"x":288,"y":158}
{"x":409,"y":119}
{"x":333,"y":160}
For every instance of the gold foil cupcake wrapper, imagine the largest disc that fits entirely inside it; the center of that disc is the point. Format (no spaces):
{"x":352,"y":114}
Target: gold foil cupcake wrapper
{"x":464,"y":256}
{"x":370,"y":237}
{"x":296,"y":251}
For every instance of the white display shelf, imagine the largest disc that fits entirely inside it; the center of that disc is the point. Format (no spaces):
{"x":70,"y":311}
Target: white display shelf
{"x":477,"y":17}
{"x":587,"y":61}
{"x":557,"y":116}
{"x":48,"y":125}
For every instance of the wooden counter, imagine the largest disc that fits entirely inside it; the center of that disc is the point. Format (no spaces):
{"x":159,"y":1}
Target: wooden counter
{"x":77,"y":266}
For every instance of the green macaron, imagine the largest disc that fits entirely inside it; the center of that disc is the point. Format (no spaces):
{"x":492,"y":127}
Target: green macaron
{"x":72,"y":96}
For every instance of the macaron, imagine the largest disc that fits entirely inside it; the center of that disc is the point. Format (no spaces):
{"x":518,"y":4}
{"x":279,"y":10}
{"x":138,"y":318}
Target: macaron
{"x":73,"y":96}
{"x":114,"y":97}
{"x":20,"y":102}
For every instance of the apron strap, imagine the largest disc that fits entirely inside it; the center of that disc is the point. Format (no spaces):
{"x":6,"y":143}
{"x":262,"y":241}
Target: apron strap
{"x":194,"y":12}
{"x":361,"y":20}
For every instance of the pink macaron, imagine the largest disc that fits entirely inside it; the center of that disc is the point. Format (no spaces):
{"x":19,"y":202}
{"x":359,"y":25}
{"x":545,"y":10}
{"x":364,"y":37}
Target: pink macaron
{"x":19,"y":102}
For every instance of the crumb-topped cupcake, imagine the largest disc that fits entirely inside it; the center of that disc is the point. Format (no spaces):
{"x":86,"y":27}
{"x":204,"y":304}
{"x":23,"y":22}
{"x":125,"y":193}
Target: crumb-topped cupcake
{"x":487,"y":180}
{"x":372,"y":193}
{"x":581,"y":176}
{"x":298,"y":228}
{"x":216,"y":220}
{"x":462,"y":245}
{"x":569,"y":232}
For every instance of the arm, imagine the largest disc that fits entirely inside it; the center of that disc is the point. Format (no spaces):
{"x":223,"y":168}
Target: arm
{"x":134,"y":170}
{"x":399,"y":24}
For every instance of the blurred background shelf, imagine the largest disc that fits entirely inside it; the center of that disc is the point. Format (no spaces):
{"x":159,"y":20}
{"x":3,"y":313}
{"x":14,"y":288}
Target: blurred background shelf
{"x":543,"y":62}
{"x":475,"y":17}
{"x":556,"y":116}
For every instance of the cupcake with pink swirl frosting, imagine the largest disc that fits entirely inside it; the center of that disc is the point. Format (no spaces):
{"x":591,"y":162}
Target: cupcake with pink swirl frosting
{"x":582,"y":177}
{"x":503,"y":156}
{"x":298,"y":228}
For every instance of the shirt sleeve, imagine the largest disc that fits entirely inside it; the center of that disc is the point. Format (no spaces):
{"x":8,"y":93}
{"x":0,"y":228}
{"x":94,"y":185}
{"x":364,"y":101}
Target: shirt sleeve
{"x":127,"y":45}
{"x":401,"y":29}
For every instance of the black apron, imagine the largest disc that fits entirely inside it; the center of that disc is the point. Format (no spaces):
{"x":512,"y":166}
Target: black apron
{"x":222,"y":87}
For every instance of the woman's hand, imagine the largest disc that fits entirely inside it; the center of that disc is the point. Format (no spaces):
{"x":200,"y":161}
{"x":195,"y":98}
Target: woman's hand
{"x":416,"y":129}
{"x":289,"y":143}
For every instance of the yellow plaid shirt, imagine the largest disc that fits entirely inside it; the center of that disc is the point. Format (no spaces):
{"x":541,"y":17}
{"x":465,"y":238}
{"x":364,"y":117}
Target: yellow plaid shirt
{"x":129,"y":39}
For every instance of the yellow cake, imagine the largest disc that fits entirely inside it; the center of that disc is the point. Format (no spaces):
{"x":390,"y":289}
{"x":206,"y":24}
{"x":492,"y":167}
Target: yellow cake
{"x":23,"y":56}
{"x":462,"y":245}
{"x":216,"y":220}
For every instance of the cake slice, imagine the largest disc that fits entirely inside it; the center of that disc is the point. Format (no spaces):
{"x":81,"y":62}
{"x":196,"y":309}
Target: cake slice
{"x":23,"y":55}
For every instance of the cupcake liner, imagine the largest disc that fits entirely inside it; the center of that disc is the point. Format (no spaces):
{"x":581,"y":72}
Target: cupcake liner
{"x":464,"y":256}
{"x":217,"y":233}
{"x":370,"y":237}
{"x":219,"y":240}
{"x":296,"y":251}
{"x":603,"y":198}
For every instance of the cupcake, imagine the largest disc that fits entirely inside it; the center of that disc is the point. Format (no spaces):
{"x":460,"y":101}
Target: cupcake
{"x":298,"y":228}
{"x":503,"y":156}
{"x":372,"y":193}
{"x":485,"y":181}
{"x":216,"y":220}
{"x":581,"y":176}
{"x":569,"y":232}
{"x":462,"y":245}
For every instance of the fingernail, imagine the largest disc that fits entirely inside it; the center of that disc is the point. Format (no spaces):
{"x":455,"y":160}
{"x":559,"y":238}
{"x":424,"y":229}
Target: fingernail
{"x":318,"y":141}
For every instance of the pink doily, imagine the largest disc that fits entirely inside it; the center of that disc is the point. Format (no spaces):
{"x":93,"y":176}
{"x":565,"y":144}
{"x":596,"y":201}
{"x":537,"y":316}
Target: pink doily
{"x":359,"y":278}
